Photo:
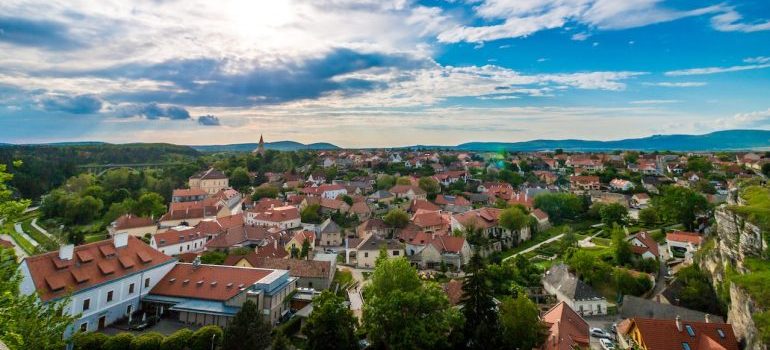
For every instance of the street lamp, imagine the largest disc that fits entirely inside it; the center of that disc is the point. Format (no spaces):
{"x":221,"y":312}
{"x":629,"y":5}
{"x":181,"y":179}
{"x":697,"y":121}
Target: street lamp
{"x":213,"y":336}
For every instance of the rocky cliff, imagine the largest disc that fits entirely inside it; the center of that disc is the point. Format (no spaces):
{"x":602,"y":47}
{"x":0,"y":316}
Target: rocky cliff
{"x":734,"y":239}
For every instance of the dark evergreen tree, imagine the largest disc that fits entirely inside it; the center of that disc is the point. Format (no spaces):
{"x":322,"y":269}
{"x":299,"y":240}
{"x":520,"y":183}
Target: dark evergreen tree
{"x":478,"y":306}
{"x":248,"y":330}
{"x":330,"y":325}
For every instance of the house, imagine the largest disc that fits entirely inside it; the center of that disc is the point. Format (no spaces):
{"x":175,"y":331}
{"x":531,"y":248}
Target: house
{"x":329,"y":206}
{"x":179,"y":240}
{"x":373,"y":226}
{"x":621,"y":185}
{"x":432,"y":222}
{"x":326,"y":191}
{"x":633,"y":307}
{"x":488,"y":220}
{"x":367,"y":250}
{"x":683,"y":244}
{"x":229,"y":198}
{"x":651,"y":334}
{"x":104,"y":280}
{"x":382,"y":196}
{"x":317,"y":178}
{"x":241,"y":236}
{"x":299,"y":239}
{"x":309,"y":273}
{"x":199,"y":294}
{"x":577,"y":294}
{"x":449,"y":177}
{"x":189,"y":195}
{"x":542,"y":219}
{"x":566,"y":329}
{"x":454,"y":204}
{"x":410,"y":192}
{"x":210,"y":180}
{"x":454,"y":291}
{"x":361,"y":210}
{"x":191,"y":213}
{"x":640,"y":200}
{"x":582,"y":183}
{"x":286,"y":217}
{"x":330,"y":234}
{"x":133,"y":225}
{"x":452,"y":251}
{"x":421,"y":205}
{"x":643,"y":245}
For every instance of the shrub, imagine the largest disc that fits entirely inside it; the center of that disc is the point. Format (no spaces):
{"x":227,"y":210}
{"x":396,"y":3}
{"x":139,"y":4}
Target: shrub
{"x":121,"y":341}
{"x":89,"y":341}
{"x":201,"y":339}
{"x":147,"y":341}
{"x":179,"y":340}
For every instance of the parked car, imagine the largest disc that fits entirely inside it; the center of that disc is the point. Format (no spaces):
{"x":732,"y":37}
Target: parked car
{"x":599,"y":333}
{"x":606,"y":344}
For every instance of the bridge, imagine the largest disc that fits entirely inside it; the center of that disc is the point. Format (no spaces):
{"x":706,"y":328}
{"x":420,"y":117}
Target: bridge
{"x":100,"y":169}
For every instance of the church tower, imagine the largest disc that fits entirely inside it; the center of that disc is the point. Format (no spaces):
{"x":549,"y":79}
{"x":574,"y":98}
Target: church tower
{"x":261,"y":148}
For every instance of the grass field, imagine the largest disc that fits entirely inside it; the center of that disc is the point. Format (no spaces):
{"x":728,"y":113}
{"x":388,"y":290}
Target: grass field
{"x":25,"y":245}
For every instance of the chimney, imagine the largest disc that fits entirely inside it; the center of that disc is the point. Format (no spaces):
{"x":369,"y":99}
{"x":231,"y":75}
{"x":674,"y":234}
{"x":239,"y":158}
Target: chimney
{"x":120,"y":239}
{"x":66,"y":251}
{"x":678,"y":323}
{"x":708,"y":318}
{"x":275,"y":243}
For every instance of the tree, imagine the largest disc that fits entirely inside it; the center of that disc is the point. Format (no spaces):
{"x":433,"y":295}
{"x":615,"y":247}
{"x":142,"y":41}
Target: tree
{"x":248,"y":329}
{"x":648,"y":217}
{"x":621,"y":247}
{"x":280,"y":341}
{"x":264,"y":191}
{"x":403,"y":313}
{"x":613,"y":213}
{"x":385,"y":182}
{"x":213,"y":257}
{"x":430,"y":185}
{"x":347,"y":199}
{"x":178,"y":340}
{"x":305,"y":249}
{"x":514,"y":219}
{"x":206,"y":337}
{"x":478,"y":306}
{"x":520,"y":325}
{"x":404,"y":180}
{"x":766,"y":169}
{"x":150,"y":204}
{"x":569,"y":240}
{"x":559,"y":206}
{"x":680,"y":204}
{"x":311,"y":214}
{"x":699,"y":164}
{"x":240,"y":179}
{"x":331,"y":325}
{"x":88,"y":341}
{"x":397,"y":218}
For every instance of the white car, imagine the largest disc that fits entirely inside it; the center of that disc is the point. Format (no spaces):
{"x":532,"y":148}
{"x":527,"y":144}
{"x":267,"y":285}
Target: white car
{"x":599,"y":333}
{"x":606,"y":344}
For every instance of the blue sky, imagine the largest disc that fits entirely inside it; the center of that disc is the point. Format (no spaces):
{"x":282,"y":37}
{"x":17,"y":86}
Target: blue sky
{"x":380,"y":73}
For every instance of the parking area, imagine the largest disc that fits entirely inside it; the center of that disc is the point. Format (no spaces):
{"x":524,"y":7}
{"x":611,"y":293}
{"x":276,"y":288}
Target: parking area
{"x":604,"y":323}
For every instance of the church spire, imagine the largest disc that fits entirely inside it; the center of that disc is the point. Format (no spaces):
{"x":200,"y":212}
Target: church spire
{"x":261,"y":148}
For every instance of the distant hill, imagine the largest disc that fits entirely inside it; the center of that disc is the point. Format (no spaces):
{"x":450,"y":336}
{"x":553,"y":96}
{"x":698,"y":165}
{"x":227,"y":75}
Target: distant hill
{"x":278,"y":146}
{"x":715,"y":141}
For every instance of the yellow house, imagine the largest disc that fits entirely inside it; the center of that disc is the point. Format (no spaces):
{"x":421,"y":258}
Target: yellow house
{"x":299,"y":238}
{"x":211,"y":181}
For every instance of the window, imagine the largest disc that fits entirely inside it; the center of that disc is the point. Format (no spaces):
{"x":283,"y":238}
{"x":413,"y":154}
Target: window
{"x":685,"y":346}
{"x":395,"y":253}
{"x":690,"y":331}
{"x":84,"y":327}
{"x":147,"y":282}
{"x":366,"y":255}
{"x":721,"y":333}
{"x":131,"y":288}
{"x":109,"y":296}
{"x":86,"y":304}
{"x":129,"y":309}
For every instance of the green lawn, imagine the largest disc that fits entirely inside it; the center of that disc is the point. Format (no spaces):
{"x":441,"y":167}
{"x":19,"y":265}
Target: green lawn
{"x":95,"y":237}
{"x":25,"y":245}
{"x":46,"y":243}
{"x":538,"y":238}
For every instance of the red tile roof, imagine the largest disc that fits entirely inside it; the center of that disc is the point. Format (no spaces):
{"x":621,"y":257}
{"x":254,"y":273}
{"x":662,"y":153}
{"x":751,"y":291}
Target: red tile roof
{"x":280,"y":214}
{"x":189,"y":192}
{"x":297,"y":268}
{"x":403,"y":189}
{"x":567,"y":330}
{"x":210,"y":282}
{"x":448,"y":244}
{"x":174,"y":236}
{"x":92,"y":264}
{"x":420,"y":204}
{"x":682,"y":236}
{"x":480,"y":218}
{"x":650,"y":244}
{"x":539,"y":214}
{"x":664,"y":334}
{"x":129,"y":221}
{"x":454,"y":291}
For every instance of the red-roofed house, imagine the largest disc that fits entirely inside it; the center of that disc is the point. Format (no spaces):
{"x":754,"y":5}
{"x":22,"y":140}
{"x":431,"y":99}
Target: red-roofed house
{"x":653,"y":334}
{"x":104,"y":280}
{"x":179,"y":240}
{"x":454,"y":204}
{"x":582,"y":183}
{"x":643,"y":245}
{"x":283,"y":217}
{"x":683,"y":244}
{"x":299,"y":238}
{"x":410,"y":192}
{"x":566,"y":329}
{"x":133,"y":225}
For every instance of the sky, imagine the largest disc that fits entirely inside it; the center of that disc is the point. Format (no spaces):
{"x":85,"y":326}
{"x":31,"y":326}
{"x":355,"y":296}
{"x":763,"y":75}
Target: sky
{"x":372,"y":73}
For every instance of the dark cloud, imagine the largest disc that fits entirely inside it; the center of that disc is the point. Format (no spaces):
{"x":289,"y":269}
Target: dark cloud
{"x":152,"y":111}
{"x":37,"y":33}
{"x":78,"y":104}
{"x":205,"y":82}
{"x":208,"y":120}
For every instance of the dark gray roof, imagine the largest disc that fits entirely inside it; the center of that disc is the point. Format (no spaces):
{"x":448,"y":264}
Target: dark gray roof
{"x":374,"y":242}
{"x":330,"y":226}
{"x":638,"y":307}
{"x":560,"y":278}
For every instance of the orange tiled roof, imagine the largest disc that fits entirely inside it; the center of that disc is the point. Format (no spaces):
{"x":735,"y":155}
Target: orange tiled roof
{"x":211,"y":282}
{"x":566,"y":329}
{"x":664,"y":334}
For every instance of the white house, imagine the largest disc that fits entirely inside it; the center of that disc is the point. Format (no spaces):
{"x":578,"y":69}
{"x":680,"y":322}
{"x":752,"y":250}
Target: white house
{"x":683,"y":244}
{"x":621,"y":185}
{"x":571,"y":290}
{"x":178,"y":240}
{"x":104,"y":280}
{"x":285,"y":217}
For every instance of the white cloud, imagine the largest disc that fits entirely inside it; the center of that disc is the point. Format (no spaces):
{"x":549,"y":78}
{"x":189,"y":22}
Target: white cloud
{"x":730,"y":21}
{"x":684,"y":84}
{"x":715,"y":70}
{"x":745,"y":120}
{"x":758,"y":59}
{"x":580,"y":36}
{"x":653,"y":102}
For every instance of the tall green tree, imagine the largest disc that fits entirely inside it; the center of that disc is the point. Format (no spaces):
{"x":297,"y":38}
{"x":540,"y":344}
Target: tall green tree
{"x":403,"y":313}
{"x":240,"y":179}
{"x":621,"y":247}
{"x":613,"y":213}
{"x":150,"y":204}
{"x":478,"y":306}
{"x":248,"y":330}
{"x":397,"y":218}
{"x":559,"y":206}
{"x":305,"y":249}
{"x":331,"y":325}
{"x":430,"y":185}
{"x":520,"y":325}
{"x":680,"y":204}
{"x":514,"y":219}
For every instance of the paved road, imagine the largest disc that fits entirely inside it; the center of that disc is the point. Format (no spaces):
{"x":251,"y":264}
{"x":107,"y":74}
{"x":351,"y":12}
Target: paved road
{"x":554,"y":238}
{"x":17,"y":227}
{"x":20,"y":253}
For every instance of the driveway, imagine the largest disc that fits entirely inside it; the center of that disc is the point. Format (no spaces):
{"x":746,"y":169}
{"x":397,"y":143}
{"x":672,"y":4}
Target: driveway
{"x":554,"y":238}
